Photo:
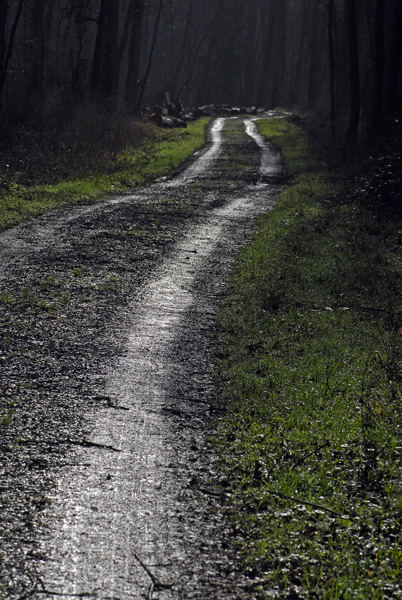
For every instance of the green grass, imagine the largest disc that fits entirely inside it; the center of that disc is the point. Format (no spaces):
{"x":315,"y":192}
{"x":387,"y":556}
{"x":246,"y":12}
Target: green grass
{"x":310,"y":441}
{"x":159,"y":155}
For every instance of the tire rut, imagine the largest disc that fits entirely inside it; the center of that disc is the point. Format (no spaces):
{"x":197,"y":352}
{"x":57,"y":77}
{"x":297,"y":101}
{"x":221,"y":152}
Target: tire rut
{"x":110,"y":487}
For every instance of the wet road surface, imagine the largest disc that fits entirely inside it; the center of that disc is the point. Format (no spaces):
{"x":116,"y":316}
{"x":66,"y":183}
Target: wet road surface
{"x":110,"y":488}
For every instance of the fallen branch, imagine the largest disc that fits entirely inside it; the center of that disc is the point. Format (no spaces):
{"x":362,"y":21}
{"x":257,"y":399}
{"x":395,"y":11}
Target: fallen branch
{"x":305,"y":502}
{"x":155,"y":584}
{"x":62,"y":595}
{"x":34,"y":584}
{"x":306,"y":456}
{"x":117,"y":407}
{"x":211,"y":492}
{"x":82,"y":443}
{"x":178,"y":413}
{"x":88,"y":444}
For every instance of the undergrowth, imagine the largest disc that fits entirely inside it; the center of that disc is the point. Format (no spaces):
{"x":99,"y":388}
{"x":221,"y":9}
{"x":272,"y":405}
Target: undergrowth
{"x":85,"y":171}
{"x":308,"y":372}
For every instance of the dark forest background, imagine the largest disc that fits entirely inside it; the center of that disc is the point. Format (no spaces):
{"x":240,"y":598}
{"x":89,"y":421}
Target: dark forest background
{"x":336,"y":58}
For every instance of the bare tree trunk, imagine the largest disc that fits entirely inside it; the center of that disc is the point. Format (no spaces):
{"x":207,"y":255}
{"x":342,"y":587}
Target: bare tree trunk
{"x":331,"y":50}
{"x":50,"y":5}
{"x":3,"y":21}
{"x":281,"y":64}
{"x":313,"y":75}
{"x":10,"y":47}
{"x":297,"y":96}
{"x":38,"y":15}
{"x":379,"y":62}
{"x":98,"y":54}
{"x":184,"y":48}
{"x":354,"y":71}
{"x":134,"y":57}
{"x":266,"y":77}
{"x":250,"y":54}
{"x":106,"y":65}
{"x":196,"y":52}
{"x":395,"y":56}
{"x":144,"y":80}
{"x":204,"y":84}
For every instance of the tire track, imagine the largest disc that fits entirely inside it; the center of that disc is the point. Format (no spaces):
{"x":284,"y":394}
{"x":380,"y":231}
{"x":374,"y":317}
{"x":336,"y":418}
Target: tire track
{"x":142,"y":521}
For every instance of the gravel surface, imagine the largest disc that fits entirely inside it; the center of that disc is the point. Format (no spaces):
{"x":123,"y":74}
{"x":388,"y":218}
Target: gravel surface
{"x":109,"y":485}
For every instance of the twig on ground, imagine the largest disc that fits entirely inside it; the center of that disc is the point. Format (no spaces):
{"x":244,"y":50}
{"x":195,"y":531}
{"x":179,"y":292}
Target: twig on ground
{"x":117,"y":407}
{"x":155,"y":584}
{"x":82,"y":443}
{"x":178,"y":413}
{"x":32,"y":590}
{"x":300,"y":501}
{"x":306,"y":456}
{"x":211,"y":493}
{"x":62,"y":595}
{"x":88,"y":444}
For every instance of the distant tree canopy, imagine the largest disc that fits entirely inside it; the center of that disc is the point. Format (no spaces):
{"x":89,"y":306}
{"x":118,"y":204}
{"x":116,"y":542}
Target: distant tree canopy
{"x":341,"y":58}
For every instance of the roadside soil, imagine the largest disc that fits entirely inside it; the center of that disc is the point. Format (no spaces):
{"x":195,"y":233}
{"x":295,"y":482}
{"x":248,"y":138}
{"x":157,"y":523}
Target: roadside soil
{"x":109,"y":485}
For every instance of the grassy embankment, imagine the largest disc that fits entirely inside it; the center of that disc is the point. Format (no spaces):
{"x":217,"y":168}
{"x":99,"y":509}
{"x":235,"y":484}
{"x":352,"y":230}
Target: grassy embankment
{"x":158,"y":154}
{"x":311,"y":438}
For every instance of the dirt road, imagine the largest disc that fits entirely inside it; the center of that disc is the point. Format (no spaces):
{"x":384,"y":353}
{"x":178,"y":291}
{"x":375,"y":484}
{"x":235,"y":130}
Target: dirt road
{"x":109,"y":485}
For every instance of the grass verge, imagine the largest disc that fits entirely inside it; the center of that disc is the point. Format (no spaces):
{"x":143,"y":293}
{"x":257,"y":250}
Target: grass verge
{"x":157,"y":156}
{"x":308,"y":372}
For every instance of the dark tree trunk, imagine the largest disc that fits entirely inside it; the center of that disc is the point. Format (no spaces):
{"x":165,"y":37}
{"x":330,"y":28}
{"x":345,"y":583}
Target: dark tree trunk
{"x":3,"y":21}
{"x":106,"y":66}
{"x":144,"y":81}
{"x":268,"y":58}
{"x":250,"y":54}
{"x":297,"y":95}
{"x":331,"y":50}
{"x":354,"y":71}
{"x":313,"y":75}
{"x":280,"y":63}
{"x":9,"y":47}
{"x":48,"y":17}
{"x":204,"y":84}
{"x":134,"y":57}
{"x":184,"y":48}
{"x":379,"y":63}
{"x":188,"y":81}
{"x":98,"y":53}
{"x":38,"y":57}
{"x":395,"y":56}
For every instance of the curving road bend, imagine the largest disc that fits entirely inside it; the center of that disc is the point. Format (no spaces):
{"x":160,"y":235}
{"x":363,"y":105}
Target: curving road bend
{"x":112,"y":393}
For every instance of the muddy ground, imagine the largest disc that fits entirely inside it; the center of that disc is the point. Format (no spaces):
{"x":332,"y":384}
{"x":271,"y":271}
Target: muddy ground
{"x":109,"y":485}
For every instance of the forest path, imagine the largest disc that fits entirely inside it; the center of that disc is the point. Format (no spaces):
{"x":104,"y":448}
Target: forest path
{"x":107,"y":317}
